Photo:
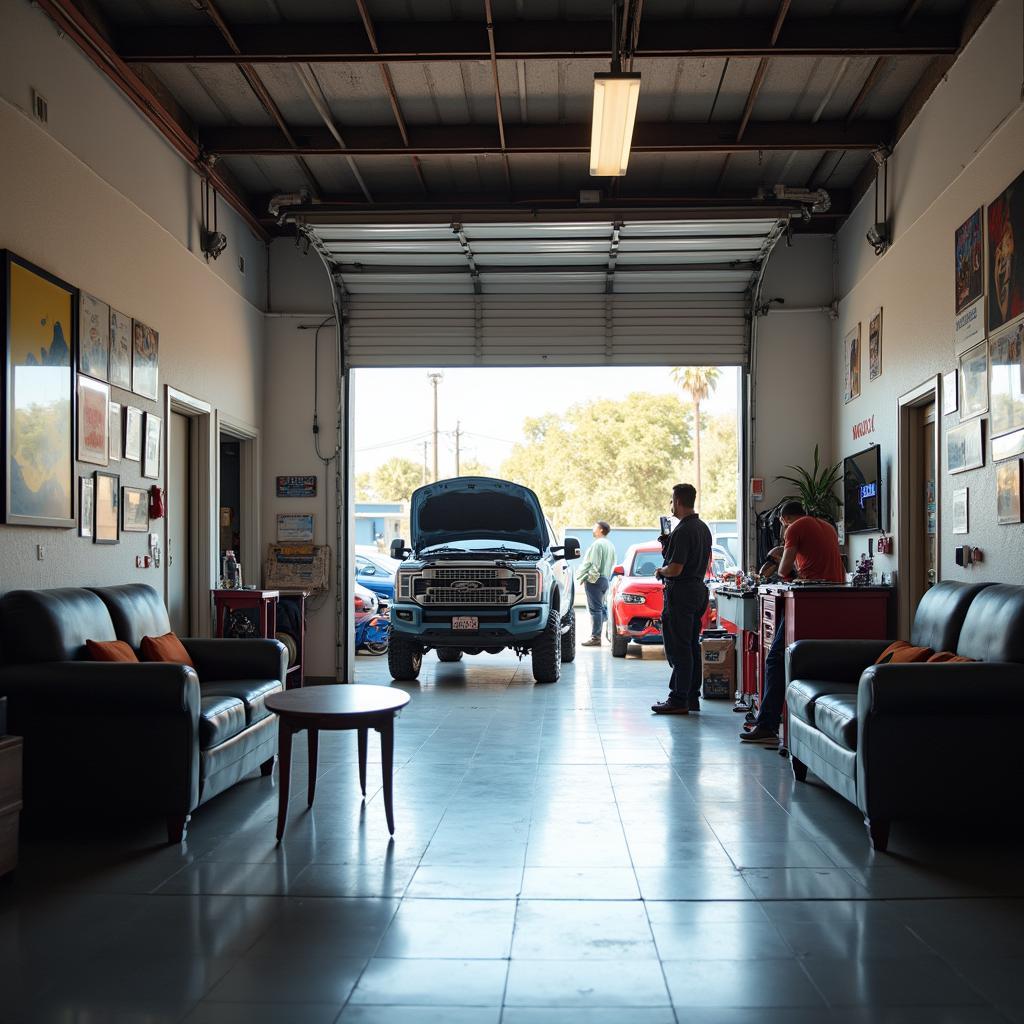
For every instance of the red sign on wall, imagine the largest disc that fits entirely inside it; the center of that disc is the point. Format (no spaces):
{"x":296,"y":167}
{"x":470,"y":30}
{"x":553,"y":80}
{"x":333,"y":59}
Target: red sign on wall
{"x":864,"y":428}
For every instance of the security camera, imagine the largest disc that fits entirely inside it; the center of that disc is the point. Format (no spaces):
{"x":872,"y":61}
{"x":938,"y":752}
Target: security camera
{"x":214,"y":243}
{"x":878,"y":237}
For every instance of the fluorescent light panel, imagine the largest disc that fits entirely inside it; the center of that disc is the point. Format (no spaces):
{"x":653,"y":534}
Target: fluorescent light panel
{"x":616,"y":95}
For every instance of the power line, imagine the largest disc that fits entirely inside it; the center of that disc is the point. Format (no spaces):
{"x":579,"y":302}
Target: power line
{"x":394,"y":444}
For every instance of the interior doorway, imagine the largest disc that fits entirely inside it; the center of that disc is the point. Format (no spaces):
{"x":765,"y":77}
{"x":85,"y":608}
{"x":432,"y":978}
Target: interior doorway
{"x":238,"y":489}
{"x":179,"y":478}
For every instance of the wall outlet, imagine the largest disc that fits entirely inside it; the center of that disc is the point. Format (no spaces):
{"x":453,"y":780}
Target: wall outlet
{"x":140,"y":561}
{"x":40,"y":552}
{"x":154,"y":542}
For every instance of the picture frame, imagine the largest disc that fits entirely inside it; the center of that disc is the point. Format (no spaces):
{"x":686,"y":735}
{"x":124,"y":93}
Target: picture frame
{"x":106,"y":499}
{"x":1005,"y":217}
{"x":1007,"y":446}
{"x":145,"y":360}
{"x":85,"y":506}
{"x":296,"y":486}
{"x":295,"y":528}
{"x":93,"y":336}
{"x":965,"y":448}
{"x":134,"y":510}
{"x":875,"y":345}
{"x":93,"y":421}
{"x":950,"y":392}
{"x":961,"y":510}
{"x":120,"y":350}
{"x":851,"y":365}
{"x":39,"y":314}
{"x":969,"y":261}
{"x":116,"y":440}
{"x":974,"y":382}
{"x":1006,"y":380}
{"x":133,"y":434}
{"x":1008,"y":487}
{"x":151,"y":447}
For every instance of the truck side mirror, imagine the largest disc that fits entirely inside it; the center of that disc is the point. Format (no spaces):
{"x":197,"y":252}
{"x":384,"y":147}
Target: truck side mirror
{"x":398,"y":549}
{"x":571,"y":547}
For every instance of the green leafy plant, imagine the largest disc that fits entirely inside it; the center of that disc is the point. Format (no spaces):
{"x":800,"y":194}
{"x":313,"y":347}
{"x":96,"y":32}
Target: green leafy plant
{"x":816,"y":488}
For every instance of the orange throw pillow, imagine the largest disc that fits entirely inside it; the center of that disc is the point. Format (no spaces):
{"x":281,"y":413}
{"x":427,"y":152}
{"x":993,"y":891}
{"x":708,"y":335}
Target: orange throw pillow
{"x":901,"y":653}
{"x":165,"y":648}
{"x":947,"y":657}
{"x":110,"y":650}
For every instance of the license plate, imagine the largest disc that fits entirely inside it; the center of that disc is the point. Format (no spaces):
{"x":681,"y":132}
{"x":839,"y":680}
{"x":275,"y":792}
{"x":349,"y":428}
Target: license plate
{"x":465,"y":622}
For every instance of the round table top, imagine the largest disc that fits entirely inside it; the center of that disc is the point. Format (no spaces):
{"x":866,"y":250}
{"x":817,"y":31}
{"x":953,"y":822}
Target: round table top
{"x":338,"y":699}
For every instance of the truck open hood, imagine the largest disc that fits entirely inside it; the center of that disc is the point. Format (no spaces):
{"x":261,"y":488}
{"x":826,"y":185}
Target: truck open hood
{"x":475,"y":508}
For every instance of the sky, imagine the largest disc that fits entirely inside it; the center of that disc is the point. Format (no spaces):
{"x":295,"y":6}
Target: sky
{"x":394,"y":408}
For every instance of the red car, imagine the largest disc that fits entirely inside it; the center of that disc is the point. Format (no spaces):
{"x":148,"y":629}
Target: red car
{"x":635,"y":600}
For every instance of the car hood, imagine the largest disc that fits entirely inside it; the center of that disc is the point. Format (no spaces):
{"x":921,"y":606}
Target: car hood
{"x":475,"y":508}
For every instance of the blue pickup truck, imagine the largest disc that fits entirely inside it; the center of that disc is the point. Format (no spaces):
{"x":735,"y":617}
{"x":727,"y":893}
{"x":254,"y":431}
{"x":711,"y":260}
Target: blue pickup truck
{"x":484,"y":573}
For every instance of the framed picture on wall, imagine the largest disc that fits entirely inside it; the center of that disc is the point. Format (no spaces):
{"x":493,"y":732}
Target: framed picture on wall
{"x":145,"y":360}
{"x":950,"y":392}
{"x":1008,"y":492}
{"x":93,"y":421}
{"x":133,"y":434}
{"x":295,"y":528}
{"x":964,"y":447}
{"x":969,"y":261}
{"x":134,"y":509}
{"x":106,"y":494}
{"x":39,"y":314}
{"x":1005,"y":270}
{"x":85,"y":506}
{"x":115,"y":432}
{"x":1007,"y":446}
{"x":93,"y":336}
{"x":875,"y":346}
{"x":961,"y":505}
{"x":851,"y":365}
{"x":974,"y":382}
{"x":120,"y":350}
{"x":151,"y":448}
{"x":1006,"y":380}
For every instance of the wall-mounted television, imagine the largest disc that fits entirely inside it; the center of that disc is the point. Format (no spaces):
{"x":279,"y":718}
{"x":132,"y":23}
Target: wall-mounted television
{"x":862,"y":491}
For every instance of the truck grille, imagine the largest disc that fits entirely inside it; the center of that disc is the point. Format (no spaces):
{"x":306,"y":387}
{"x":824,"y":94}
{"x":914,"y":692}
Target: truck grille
{"x":467,"y":587}
{"x":474,"y":598}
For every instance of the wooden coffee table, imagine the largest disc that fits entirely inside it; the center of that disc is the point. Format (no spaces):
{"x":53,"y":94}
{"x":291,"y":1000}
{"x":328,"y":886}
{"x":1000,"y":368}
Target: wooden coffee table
{"x":345,"y":706}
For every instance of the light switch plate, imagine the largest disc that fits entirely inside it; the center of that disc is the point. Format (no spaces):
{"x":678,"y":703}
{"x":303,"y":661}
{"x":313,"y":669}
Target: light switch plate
{"x":154,"y":540}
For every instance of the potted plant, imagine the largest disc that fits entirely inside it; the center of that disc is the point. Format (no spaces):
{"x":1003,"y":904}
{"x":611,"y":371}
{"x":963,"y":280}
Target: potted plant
{"x":816,"y":488}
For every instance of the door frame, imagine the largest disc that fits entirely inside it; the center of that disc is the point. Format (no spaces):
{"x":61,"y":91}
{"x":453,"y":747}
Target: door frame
{"x":201,"y":513}
{"x":925,"y":393}
{"x":248,"y":436}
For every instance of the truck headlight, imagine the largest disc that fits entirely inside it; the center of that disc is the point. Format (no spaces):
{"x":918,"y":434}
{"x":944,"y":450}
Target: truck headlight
{"x":531,"y":584}
{"x":403,"y":584}
{"x":633,"y":598}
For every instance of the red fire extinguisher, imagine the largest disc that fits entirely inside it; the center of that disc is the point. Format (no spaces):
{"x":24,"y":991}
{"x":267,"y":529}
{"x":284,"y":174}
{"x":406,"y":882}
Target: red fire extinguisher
{"x":156,"y":502}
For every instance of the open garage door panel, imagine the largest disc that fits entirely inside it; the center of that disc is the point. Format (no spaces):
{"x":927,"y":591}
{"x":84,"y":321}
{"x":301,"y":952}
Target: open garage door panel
{"x":651,"y":293}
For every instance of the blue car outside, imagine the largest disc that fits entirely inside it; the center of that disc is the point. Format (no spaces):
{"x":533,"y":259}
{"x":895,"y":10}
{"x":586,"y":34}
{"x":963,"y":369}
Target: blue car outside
{"x":375,"y":576}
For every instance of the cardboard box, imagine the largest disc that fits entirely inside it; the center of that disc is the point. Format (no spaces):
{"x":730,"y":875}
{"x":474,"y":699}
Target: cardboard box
{"x":718,"y":666}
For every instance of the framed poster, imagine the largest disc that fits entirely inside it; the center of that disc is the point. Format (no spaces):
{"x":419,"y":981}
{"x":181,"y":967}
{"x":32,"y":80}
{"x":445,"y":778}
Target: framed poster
{"x":93,"y":421}
{"x":93,"y":336}
{"x":960,"y":510}
{"x":851,"y":365}
{"x":1006,"y":380}
{"x":85,"y":509}
{"x":134,"y":509}
{"x":115,"y":432}
{"x":296,"y":486}
{"x":120,"y":350}
{"x":151,"y":448}
{"x":964,"y":447}
{"x":145,"y":360}
{"x":969,"y":261}
{"x":133,"y":434}
{"x":295,"y":528}
{"x":1007,"y":446}
{"x":950,"y":392}
{"x":1006,"y":255}
{"x":974,"y":382}
{"x":39,"y":314}
{"x":1008,"y":493}
{"x":875,"y":346}
{"x":105,"y":498}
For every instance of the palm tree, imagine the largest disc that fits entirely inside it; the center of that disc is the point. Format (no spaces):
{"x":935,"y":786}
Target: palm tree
{"x":698,"y":382}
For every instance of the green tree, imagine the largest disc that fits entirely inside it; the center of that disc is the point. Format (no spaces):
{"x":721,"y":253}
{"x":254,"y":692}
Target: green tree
{"x":720,"y":451}
{"x":699,"y":382}
{"x":395,"y":480}
{"x":473,"y":467}
{"x":364,"y":487}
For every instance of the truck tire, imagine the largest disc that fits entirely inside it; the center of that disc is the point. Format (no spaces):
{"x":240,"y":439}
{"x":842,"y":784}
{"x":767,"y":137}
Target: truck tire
{"x":445,"y":654}
{"x":569,"y":638}
{"x":404,"y":658}
{"x":546,"y":655}
{"x":619,"y":645}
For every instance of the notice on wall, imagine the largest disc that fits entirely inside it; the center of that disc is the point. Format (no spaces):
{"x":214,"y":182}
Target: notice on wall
{"x":969,"y":326}
{"x":294,"y":529}
{"x":296,"y":486}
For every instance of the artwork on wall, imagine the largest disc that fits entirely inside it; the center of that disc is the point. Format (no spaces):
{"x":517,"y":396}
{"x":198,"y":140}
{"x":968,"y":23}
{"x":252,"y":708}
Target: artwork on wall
{"x":851,"y":365}
{"x":296,"y":486}
{"x":85,"y":506}
{"x":875,"y":346}
{"x":1006,"y":255}
{"x":294,"y":528}
{"x":106,"y":492}
{"x":115,"y":432}
{"x":145,"y":360}
{"x":93,"y":336}
{"x":1007,"y":446}
{"x":950,"y":392}
{"x":964,"y":447}
{"x":134,"y":509}
{"x":120,"y":350}
{"x":1006,"y":380}
{"x":151,"y":449}
{"x":93,"y":421}
{"x":974,"y":382}
{"x":960,"y":510}
{"x":39,"y":313}
{"x":133,"y":434}
{"x":1008,"y":492}
{"x":969,"y":256}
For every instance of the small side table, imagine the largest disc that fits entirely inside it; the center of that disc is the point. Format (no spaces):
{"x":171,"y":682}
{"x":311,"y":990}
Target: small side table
{"x":334,"y":706}
{"x":263,"y":601}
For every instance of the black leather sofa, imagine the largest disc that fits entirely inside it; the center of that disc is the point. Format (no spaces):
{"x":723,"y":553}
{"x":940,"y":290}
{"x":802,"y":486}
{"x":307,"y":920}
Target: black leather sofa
{"x":905,"y":741}
{"x":148,"y":739}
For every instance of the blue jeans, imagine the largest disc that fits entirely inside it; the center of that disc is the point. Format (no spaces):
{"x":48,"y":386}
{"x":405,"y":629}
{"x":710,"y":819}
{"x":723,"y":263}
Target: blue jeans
{"x":596,"y":605}
{"x":770,"y":713}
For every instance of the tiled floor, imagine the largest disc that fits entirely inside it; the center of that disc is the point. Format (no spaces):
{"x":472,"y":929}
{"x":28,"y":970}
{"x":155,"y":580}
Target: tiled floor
{"x":562,"y":857}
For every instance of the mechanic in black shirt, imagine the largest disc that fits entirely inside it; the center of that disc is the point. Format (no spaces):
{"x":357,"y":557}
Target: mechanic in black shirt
{"x":687,"y":551}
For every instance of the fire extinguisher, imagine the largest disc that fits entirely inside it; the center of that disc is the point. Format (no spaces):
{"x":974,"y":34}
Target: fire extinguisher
{"x":156,"y":502}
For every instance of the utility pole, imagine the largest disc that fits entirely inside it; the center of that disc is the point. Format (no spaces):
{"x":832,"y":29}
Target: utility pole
{"x":458,"y":436}
{"x":425,"y":461}
{"x":435,"y":379}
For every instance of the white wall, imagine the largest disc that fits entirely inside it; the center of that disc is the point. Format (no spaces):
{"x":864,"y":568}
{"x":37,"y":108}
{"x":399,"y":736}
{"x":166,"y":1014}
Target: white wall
{"x":965,"y":147}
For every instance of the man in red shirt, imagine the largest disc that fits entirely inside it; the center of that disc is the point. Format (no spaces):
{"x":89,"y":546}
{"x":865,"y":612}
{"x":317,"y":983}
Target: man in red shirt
{"x":812,"y":550}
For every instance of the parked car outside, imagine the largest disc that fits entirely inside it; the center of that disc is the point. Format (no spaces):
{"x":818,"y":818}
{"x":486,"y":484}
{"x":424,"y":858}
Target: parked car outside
{"x":373,"y":573}
{"x":370,"y":621}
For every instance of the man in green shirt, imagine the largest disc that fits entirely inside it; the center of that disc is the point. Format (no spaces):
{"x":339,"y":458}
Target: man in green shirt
{"x":594,"y":574}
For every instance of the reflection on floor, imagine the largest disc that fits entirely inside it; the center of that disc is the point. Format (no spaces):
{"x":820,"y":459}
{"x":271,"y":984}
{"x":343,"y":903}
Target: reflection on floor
{"x":561,"y":856}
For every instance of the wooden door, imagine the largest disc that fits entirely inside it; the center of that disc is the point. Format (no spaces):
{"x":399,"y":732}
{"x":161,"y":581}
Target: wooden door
{"x":179,"y":504}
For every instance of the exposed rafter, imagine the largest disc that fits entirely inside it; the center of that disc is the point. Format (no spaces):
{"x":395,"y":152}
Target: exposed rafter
{"x":497,"y":92}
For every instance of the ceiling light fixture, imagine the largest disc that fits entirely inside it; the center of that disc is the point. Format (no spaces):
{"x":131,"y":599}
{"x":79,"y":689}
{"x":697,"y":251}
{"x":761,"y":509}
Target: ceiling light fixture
{"x":616,"y":94}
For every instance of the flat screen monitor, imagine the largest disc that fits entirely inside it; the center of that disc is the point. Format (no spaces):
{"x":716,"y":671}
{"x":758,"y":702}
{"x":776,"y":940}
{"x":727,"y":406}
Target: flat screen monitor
{"x":862,"y":487}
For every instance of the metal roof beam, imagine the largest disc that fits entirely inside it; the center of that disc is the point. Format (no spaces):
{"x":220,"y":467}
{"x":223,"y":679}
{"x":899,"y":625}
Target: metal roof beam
{"x":429,"y":41}
{"x":597,"y":269}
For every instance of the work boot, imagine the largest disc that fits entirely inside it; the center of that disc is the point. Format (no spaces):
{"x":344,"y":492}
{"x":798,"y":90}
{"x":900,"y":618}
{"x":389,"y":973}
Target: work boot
{"x":667,"y":708}
{"x":594,"y":641}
